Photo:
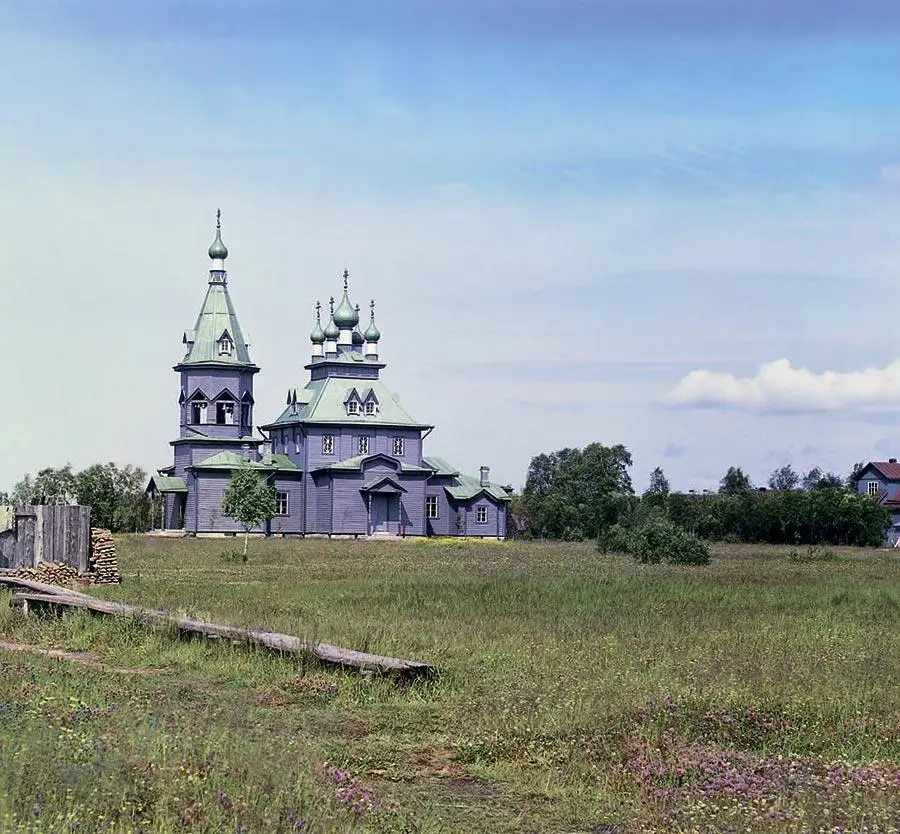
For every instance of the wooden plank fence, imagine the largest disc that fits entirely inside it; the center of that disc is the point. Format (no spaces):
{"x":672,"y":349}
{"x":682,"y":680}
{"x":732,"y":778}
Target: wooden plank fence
{"x":33,"y":534}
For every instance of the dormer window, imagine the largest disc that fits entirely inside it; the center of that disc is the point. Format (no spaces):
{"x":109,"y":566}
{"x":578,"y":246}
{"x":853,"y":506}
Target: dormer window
{"x":352,"y":407}
{"x":226,"y":346}
{"x":371,"y":408}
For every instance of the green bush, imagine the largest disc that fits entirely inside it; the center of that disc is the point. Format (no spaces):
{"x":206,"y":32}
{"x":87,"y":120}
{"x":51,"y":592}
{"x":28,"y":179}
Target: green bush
{"x":615,"y":539}
{"x":660,"y":540}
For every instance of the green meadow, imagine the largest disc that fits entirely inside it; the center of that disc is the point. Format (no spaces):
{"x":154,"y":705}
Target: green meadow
{"x":577,"y":692}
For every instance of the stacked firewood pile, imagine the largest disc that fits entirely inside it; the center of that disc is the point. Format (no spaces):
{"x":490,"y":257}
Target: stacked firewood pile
{"x":104,"y":563}
{"x":50,"y":573}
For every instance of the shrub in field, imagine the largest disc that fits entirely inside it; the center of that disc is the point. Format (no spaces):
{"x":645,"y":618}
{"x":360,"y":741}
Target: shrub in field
{"x":660,"y":540}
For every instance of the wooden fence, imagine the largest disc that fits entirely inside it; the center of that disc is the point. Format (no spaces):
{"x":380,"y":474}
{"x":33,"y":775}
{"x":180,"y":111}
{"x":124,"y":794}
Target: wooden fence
{"x":30,"y":535}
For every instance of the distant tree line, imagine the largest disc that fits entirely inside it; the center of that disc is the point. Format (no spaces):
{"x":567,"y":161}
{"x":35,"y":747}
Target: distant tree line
{"x":574,"y":494}
{"x":115,"y":494}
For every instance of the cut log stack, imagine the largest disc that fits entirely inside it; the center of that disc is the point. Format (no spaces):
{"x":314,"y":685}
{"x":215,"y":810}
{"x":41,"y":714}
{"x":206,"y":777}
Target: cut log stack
{"x":51,"y":573}
{"x":104,"y":562}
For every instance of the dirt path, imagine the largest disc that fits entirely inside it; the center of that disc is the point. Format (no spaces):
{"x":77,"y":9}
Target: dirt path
{"x":84,"y":658}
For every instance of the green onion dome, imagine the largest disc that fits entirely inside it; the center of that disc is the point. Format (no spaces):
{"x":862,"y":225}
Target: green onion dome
{"x":357,"y":337}
{"x":345,"y":316}
{"x":218,"y":250}
{"x":331,"y":330}
{"x":317,"y":337}
{"x":372,"y":334}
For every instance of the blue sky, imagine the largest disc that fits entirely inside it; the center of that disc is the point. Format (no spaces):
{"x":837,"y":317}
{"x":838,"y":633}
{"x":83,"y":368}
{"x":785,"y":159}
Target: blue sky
{"x":673,"y":224}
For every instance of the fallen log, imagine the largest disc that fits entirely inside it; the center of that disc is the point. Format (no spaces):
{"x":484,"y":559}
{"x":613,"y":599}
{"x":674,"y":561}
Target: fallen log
{"x":285,"y":643}
{"x":34,"y":585}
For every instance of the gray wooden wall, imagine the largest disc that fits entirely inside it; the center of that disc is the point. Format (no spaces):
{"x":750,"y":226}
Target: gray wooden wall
{"x":52,"y":533}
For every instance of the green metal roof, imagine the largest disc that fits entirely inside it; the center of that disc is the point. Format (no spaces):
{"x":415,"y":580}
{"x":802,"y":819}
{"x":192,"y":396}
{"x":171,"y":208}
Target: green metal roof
{"x":467,"y":487}
{"x":162,"y":483}
{"x":440,"y":466}
{"x":232,"y":460}
{"x":323,"y":401}
{"x":216,"y":318}
{"x":355,"y":463}
{"x":246,"y":439}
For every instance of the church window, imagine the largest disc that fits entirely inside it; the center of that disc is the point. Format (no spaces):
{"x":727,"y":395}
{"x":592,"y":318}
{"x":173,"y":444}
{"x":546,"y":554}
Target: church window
{"x":296,"y":443}
{"x":371,"y":408}
{"x":352,"y":407}
{"x":226,"y":346}
{"x":245,"y":414}
{"x":198,"y":412}
{"x":363,"y":445}
{"x":327,"y":444}
{"x":225,"y":413}
{"x":481,"y":515}
{"x":399,"y":446}
{"x":282,"y":503}
{"x":431,"y":506}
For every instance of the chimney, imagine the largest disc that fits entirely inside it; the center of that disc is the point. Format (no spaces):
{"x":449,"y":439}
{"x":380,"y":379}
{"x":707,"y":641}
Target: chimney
{"x":892,"y":460}
{"x":485,"y":472}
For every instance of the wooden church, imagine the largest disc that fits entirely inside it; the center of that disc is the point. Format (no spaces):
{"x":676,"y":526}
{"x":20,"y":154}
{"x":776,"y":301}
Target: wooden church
{"x":344,"y":457}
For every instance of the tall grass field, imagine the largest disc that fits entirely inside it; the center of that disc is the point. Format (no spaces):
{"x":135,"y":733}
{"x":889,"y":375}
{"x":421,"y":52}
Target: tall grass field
{"x":577,"y":692}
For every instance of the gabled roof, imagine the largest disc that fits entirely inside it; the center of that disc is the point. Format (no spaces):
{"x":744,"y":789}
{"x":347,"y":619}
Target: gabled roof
{"x":232,"y":460}
{"x":887,"y":469}
{"x":323,"y":401}
{"x":163,"y":483}
{"x":383,"y":484}
{"x":216,"y":317}
{"x":466,"y":488}
{"x":440,"y":466}
{"x":355,"y":464}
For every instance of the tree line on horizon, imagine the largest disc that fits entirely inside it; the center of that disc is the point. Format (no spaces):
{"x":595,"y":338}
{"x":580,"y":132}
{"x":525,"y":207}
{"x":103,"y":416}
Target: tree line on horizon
{"x":114,"y":493}
{"x":583,"y":494}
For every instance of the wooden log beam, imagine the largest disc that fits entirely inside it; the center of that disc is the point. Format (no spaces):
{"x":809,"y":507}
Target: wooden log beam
{"x":285,"y":643}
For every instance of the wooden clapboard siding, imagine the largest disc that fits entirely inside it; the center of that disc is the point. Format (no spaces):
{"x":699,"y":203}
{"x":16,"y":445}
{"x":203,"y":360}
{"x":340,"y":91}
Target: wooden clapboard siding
{"x":51,"y":533}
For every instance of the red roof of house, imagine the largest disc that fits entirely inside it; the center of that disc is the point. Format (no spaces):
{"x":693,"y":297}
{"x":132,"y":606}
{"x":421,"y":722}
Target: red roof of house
{"x":889,"y":470}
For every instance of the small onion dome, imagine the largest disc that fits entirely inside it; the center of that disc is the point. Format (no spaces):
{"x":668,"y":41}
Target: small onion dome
{"x":331,"y":329}
{"x":357,"y":337}
{"x":372,"y":334}
{"x":345,"y":316}
{"x":218,"y":250}
{"x":317,"y":337}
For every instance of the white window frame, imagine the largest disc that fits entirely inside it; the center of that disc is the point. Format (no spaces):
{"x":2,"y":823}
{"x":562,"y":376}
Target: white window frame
{"x":352,"y":407}
{"x":282,"y":497}
{"x":873,"y":487}
{"x":370,"y":408}
{"x":399,"y":447}
{"x":327,"y":444}
{"x":431,"y":506}
{"x":481,"y":515}
{"x":362,"y":444}
{"x":226,"y":346}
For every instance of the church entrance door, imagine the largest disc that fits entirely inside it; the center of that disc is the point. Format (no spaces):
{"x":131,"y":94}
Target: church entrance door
{"x":385,"y":513}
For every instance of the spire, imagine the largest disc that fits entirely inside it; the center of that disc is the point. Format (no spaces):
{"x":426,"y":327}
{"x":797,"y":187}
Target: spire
{"x":218,"y":251}
{"x":217,"y":337}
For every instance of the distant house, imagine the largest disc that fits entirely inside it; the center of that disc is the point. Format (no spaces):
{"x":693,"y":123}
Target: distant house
{"x":344,"y":456}
{"x":881,"y":480}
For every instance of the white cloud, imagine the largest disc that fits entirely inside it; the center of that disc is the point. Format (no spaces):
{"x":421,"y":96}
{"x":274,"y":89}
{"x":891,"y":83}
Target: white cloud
{"x":779,"y":387}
